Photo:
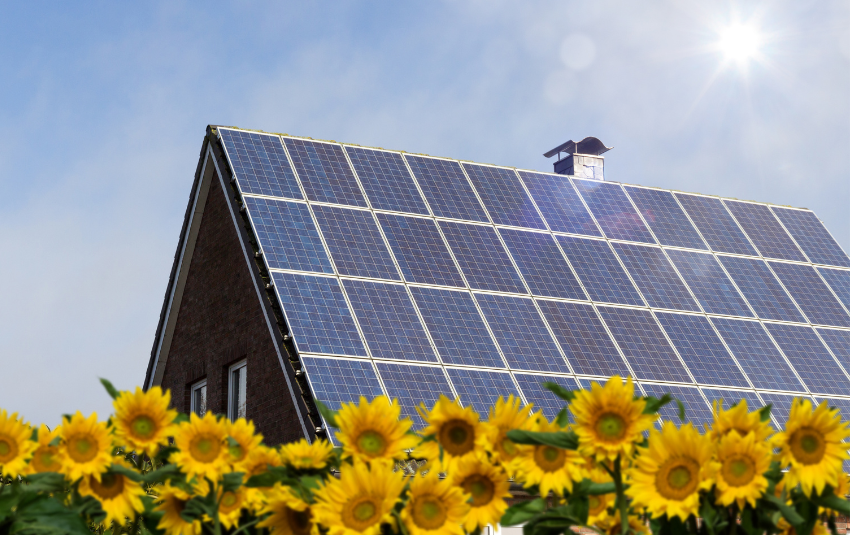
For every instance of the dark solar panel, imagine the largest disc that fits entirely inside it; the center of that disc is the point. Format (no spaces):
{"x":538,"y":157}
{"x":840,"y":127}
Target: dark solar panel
{"x":583,"y":338}
{"x":716,"y":225}
{"x":702,"y":350}
{"x":420,"y":251}
{"x":757,"y":354}
{"x":766,"y":232}
{"x":414,"y":385}
{"x":810,"y":358}
{"x":355,"y":242}
{"x":655,"y":277}
{"x":761,"y":288}
{"x":542,"y":264}
{"x":324,"y":172}
{"x":446,"y":188}
{"x":386,"y":180}
{"x":503,"y":195}
{"x":733,"y":397}
{"x":697,"y":411}
{"x":560,"y":204}
{"x":600,"y":272}
{"x":260,"y":164}
{"x":810,"y":292}
{"x":287,"y":235}
{"x":480,"y":389}
{"x":812,"y":237}
{"x":644,"y":345}
{"x":839,"y":281}
{"x":521,"y":333}
{"x":613,"y":211}
{"x":781,"y":405}
{"x":710,"y":284}
{"x":337,"y":381}
{"x":666,"y":218}
{"x":318,"y":315}
{"x":388,"y":320}
{"x":482,"y":258}
{"x":544,"y":400}
{"x":839,"y":343}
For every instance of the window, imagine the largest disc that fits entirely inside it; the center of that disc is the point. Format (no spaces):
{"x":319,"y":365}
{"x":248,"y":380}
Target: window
{"x":236,"y":391}
{"x":198,"y":401}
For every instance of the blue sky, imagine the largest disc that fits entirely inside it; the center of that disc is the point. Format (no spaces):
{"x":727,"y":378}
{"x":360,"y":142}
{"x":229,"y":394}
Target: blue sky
{"x":103,"y":108}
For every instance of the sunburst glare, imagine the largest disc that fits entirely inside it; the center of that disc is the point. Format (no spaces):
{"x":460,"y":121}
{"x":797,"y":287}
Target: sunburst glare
{"x":739,"y":43}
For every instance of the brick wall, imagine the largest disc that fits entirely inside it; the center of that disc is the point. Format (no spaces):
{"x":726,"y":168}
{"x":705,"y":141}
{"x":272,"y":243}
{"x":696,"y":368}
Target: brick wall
{"x":221,"y":322}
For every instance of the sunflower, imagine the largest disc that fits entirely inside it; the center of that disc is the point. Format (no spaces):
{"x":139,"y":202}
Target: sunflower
{"x":258,"y":461}
{"x":359,"y":502}
{"x":230,"y":505}
{"x":505,"y":415}
{"x":15,"y":444}
{"x":86,"y":447}
{"x":173,"y":502}
{"x":598,"y":504}
{"x":612,"y":525}
{"x":302,"y":455}
{"x":119,"y":497}
{"x":740,"y":467}
{"x":143,"y":421}
{"x":456,"y":429}
{"x":244,"y":441}
{"x":373,"y":431}
{"x":668,"y":475}
{"x":552,"y":468}
{"x":288,"y":514}
{"x":608,"y":419}
{"x":45,"y":458}
{"x":811,"y":445}
{"x":488,"y":486}
{"x":436,"y":507}
{"x":787,"y":529}
{"x":739,"y":419}
{"x":202,"y":450}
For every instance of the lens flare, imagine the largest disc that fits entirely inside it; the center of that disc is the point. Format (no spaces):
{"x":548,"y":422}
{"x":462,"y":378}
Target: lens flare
{"x":739,"y":43}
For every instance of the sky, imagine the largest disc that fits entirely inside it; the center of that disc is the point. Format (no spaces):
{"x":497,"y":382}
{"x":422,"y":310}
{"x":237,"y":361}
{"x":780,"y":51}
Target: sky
{"x":104,"y":105}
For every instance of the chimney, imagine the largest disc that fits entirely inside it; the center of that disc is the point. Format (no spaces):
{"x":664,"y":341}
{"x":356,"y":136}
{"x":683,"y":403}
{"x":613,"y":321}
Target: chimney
{"x":583,"y":159}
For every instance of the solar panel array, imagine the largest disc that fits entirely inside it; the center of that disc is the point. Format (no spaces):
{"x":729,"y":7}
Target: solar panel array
{"x":414,"y":276}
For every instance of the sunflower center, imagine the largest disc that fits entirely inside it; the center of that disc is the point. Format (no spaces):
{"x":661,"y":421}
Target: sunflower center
{"x":457,"y":437}
{"x":549,"y":458}
{"x":595,"y":504}
{"x":508,"y":447}
{"x":204,"y":448}
{"x":808,"y":445}
{"x":429,"y":512}
{"x":82,"y":449}
{"x":8,"y":449}
{"x":610,"y":427}
{"x":677,"y":478}
{"x":361,"y":513}
{"x":300,"y":522}
{"x":44,"y":459}
{"x":236,"y":452}
{"x":372,"y":443}
{"x":230,"y":501}
{"x":143,"y":426}
{"x":109,"y":486}
{"x":480,"y":487}
{"x":738,"y":471}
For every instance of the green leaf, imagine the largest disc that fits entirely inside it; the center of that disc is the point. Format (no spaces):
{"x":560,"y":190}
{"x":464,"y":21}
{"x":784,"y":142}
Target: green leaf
{"x":232,"y":481}
{"x":523,"y":512}
{"x":232,"y":442}
{"x":169,"y":471}
{"x":831,"y":501}
{"x":129,"y":473}
{"x":45,"y":482}
{"x":111,"y":390}
{"x":560,"y":391}
{"x":787,"y":511}
{"x":266,"y":479}
{"x":563,"y":418}
{"x":180,"y":418}
{"x":596,"y":489}
{"x":653,"y":403}
{"x":681,"y":405}
{"x":764,"y":412}
{"x":327,"y":414}
{"x":566,"y":440}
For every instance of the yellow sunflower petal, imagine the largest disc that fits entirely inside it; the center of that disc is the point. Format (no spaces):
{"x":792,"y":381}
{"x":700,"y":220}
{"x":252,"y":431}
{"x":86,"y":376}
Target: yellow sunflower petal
{"x":244,"y":440}
{"x":303,"y":455}
{"x":288,"y":514}
{"x":173,"y":501}
{"x":487,"y":485}
{"x":46,"y":458}
{"x":456,"y":429}
{"x":740,"y":467}
{"x":202,"y":448}
{"x":119,"y":497}
{"x":435,"y":507}
{"x":739,"y":419}
{"x":553,"y":469}
{"x":86,"y":448}
{"x":373,"y":431}
{"x":506,"y":415}
{"x":15,"y":444}
{"x":143,"y":421}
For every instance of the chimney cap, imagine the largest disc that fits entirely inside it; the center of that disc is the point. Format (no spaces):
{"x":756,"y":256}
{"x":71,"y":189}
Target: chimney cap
{"x":589,"y":145}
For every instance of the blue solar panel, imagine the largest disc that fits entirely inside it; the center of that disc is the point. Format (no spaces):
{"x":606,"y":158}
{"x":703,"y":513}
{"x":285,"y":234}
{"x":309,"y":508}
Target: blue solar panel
{"x":560,"y":204}
{"x":420,"y":251}
{"x":666,"y":218}
{"x":702,"y":350}
{"x":338,"y":381}
{"x":644,"y":345}
{"x":757,"y":354}
{"x":520,"y":331}
{"x":388,"y":321}
{"x":324,"y":172}
{"x":839,"y":343}
{"x":765,"y":231}
{"x":456,"y":327}
{"x":446,"y":188}
{"x":503,"y":196}
{"x":600,"y":272}
{"x":318,"y":315}
{"x":544,"y":400}
{"x":716,"y":225}
{"x":655,"y":277}
{"x":697,"y":411}
{"x":810,"y":292}
{"x":761,"y":288}
{"x":414,"y":385}
{"x":613,"y":211}
{"x":480,"y":389}
{"x":810,"y":358}
{"x":542,"y":264}
{"x":733,"y":397}
{"x":710,"y":284}
{"x":843,"y":406}
{"x":781,"y":405}
{"x":482,"y":258}
{"x":288,"y":236}
{"x":259,"y":164}
{"x":839,"y":281}
{"x":583,"y":338}
{"x":386,"y":180}
{"x":812,"y":237}
{"x":355,"y":243}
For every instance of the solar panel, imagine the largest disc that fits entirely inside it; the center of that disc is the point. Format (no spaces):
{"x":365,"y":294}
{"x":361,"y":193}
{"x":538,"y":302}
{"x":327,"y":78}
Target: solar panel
{"x":763,"y":291}
{"x":259,"y":164}
{"x":355,"y":242}
{"x":324,"y":172}
{"x":810,"y":358}
{"x":337,"y":381}
{"x":503,"y":195}
{"x":810,"y":292}
{"x":560,"y":204}
{"x":710,"y":284}
{"x":414,"y":385}
{"x":659,"y":283}
{"x":812,"y":236}
{"x":839,"y":281}
{"x":842,"y":404}
{"x":781,"y":405}
{"x":665,"y":217}
{"x":613,"y":211}
{"x":839,"y":343}
{"x":482,"y":258}
{"x":600,"y":272}
{"x":542,"y":264}
{"x":732,"y":397}
{"x":765,"y":230}
{"x":716,"y":225}
{"x":420,"y":251}
{"x":386,"y":180}
{"x":446,"y":188}
{"x":480,"y":389}
{"x":544,"y":400}
{"x":697,"y":410}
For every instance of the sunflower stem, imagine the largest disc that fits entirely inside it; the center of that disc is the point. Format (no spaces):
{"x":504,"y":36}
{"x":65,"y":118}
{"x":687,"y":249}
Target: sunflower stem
{"x":621,"y":497}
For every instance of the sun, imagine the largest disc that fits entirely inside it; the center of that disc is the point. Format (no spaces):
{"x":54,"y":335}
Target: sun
{"x":739,"y":43}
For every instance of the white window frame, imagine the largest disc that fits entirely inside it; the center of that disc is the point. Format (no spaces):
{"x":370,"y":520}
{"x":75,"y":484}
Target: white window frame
{"x":233,"y":389}
{"x":194,"y":388}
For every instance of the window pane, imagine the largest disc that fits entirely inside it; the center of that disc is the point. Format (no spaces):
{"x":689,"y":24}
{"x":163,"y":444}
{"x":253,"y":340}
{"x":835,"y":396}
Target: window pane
{"x":237,"y":393}
{"x":199,"y":400}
